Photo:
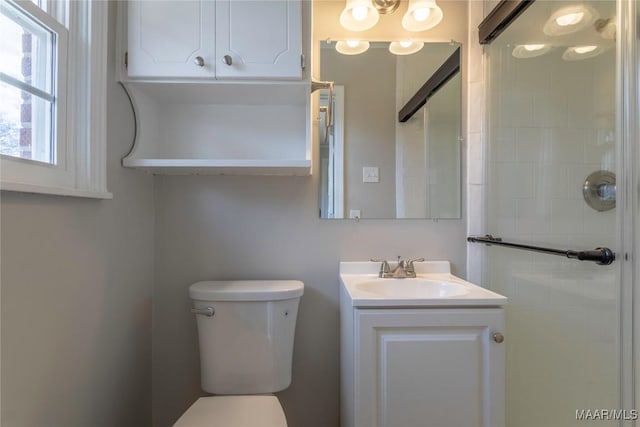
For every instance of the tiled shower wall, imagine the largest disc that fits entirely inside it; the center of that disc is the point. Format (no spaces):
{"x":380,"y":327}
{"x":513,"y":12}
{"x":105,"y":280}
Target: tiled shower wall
{"x":475,"y":143}
{"x":552,"y":124}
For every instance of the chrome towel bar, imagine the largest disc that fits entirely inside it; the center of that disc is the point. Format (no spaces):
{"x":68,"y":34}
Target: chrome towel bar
{"x":602,"y":256}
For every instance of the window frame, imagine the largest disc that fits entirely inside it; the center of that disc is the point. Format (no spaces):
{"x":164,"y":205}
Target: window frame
{"x":81,"y":70}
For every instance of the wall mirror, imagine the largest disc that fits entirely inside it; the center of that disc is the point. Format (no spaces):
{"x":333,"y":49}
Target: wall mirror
{"x":383,"y":153}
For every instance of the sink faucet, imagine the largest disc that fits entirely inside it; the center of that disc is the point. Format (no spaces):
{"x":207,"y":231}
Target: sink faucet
{"x":403,"y":269}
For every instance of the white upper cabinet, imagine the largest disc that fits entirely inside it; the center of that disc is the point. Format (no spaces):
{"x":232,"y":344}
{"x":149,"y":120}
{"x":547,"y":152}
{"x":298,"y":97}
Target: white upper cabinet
{"x":259,"y":39}
{"x":171,"y":39}
{"x":221,"y":39}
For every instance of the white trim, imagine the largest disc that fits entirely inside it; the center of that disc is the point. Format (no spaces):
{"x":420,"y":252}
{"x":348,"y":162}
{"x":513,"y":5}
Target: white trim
{"x":338,"y":147}
{"x":54,"y":191}
{"x":628,"y":132}
{"x":12,"y":81}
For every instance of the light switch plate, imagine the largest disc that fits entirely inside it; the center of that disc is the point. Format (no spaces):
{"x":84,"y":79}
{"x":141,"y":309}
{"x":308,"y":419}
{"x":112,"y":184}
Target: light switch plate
{"x":370,"y":174}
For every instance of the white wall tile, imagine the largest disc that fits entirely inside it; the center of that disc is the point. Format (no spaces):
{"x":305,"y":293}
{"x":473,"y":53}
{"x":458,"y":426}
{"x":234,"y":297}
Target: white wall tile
{"x":475,"y":159}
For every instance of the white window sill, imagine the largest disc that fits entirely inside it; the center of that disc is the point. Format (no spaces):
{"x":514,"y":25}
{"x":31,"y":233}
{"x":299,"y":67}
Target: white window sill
{"x":55,"y":191}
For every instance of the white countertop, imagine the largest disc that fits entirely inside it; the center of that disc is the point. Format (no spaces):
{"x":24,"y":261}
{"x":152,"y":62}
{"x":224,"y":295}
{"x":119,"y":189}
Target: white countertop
{"x":355,"y":277}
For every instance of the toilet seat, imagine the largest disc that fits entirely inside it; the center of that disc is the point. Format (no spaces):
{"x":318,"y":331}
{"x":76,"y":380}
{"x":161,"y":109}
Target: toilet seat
{"x":234,"y":411}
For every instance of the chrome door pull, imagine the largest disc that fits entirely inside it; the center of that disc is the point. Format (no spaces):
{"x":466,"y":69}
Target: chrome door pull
{"x":228,"y":60}
{"x":199,"y":61}
{"x":207,"y":311}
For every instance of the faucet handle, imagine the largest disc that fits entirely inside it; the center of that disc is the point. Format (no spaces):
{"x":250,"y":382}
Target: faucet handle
{"x":384,"y":267}
{"x":410,"y":267}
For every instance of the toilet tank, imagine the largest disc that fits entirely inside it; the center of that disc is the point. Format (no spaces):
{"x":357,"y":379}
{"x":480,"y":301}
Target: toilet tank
{"x":246,"y":347}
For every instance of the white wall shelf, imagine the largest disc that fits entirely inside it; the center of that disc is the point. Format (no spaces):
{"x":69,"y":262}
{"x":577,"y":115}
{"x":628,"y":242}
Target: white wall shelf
{"x":221,"y":166}
{"x":256,"y":123}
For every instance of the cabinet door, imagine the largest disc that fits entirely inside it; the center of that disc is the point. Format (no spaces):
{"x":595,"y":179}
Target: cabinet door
{"x":167,"y":38}
{"x":259,"y":39}
{"x":429,"y":368}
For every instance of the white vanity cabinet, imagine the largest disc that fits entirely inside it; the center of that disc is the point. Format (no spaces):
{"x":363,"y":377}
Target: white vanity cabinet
{"x":432,"y":367}
{"x":221,"y":39}
{"x":419,"y":352}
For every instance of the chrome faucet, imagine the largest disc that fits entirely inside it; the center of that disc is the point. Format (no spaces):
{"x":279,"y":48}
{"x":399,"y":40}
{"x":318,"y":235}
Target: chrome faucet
{"x":403,"y":269}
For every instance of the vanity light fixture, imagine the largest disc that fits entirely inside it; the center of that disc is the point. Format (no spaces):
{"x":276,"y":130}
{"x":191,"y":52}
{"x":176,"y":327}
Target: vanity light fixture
{"x":421,"y":15}
{"x":359,"y":15}
{"x":405,"y":47}
{"x":352,"y":47}
{"x":524,"y":51}
{"x":569,"y":20}
{"x":577,"y":53}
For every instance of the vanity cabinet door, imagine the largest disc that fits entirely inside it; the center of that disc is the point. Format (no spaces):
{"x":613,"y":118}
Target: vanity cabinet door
{"x":429,"y":367}
{"x":171,"y":38}
{"x":259,"y":39}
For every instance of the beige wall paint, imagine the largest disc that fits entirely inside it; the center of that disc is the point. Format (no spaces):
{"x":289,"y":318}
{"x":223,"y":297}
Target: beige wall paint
{"x":76,"y":282}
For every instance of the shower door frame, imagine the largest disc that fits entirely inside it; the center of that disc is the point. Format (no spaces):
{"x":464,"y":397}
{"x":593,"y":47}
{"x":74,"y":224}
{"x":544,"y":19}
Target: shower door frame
{"x":628,"y":130}
{"x":628,"y":185}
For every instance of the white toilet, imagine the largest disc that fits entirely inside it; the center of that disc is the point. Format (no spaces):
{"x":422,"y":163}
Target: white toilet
{"x":245,"y":330}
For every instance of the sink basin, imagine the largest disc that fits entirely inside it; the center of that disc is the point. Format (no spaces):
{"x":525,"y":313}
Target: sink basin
{"x":412,"y":288}
{"x":434,"y":286}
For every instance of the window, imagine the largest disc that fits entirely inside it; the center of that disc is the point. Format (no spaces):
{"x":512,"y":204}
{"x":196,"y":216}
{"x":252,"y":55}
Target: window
{"x":52,"y":87}
{"x":32,"y":99}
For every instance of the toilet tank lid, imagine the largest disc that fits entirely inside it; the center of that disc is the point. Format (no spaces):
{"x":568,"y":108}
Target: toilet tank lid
{"x":246,"y":290}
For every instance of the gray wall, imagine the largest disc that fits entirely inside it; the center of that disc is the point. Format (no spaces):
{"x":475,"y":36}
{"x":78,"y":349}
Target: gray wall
{"x":225,"y":227}
{"x":89,"y":265}
{"x":76,"y":297}
{"x":369,"y":126}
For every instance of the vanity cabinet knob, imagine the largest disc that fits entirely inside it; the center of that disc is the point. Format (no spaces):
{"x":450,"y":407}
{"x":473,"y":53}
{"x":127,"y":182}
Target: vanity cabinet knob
{"x":199,"y":61}
{"x":498,"y":337}
{"x":228,"y":59}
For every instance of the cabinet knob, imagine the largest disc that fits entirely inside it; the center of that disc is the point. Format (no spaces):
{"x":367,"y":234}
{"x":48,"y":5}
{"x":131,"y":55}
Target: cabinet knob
{"x":498,"y":337}
{"x":199,"y":61}
{"x":228,"y":59}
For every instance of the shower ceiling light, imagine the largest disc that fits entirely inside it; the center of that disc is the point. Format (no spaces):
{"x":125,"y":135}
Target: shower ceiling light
{"x":570,"y":20}
{"x":577,"y":53}
{"x":405,"y":47}
{"x":421,"y":15}
{"x":352,"y":47}
{"x":523,"y":51}
{"x":359,"y":15}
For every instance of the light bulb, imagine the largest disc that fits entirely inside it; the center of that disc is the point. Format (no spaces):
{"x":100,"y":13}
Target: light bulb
{"x":584,"y":49}
{"x":421,"y":14}
{"x":533,"y":47}
{"x":406,"y":43}
{"x":359,"y":13}
{"x":352,"y":47}
{"x":526,"y":51}
{"x":569,"y":19}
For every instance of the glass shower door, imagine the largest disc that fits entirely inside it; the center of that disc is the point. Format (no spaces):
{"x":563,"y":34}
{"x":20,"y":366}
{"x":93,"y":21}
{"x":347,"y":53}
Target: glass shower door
{"x":552,"y":124}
